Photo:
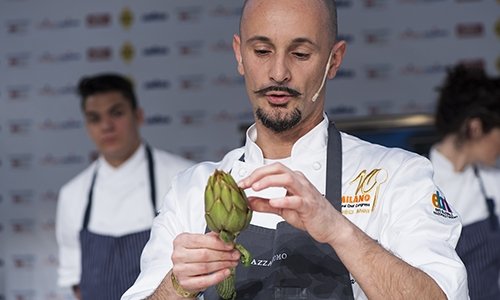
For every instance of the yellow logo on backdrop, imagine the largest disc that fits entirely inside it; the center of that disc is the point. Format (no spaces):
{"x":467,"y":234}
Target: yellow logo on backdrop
{"x":126,"y":18}
{"x":127,"y":52}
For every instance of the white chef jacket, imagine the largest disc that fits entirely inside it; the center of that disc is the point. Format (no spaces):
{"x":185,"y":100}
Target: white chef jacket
{"x":121,"y":203}
{"x":462,"y":189}
{"x":386,"y":192}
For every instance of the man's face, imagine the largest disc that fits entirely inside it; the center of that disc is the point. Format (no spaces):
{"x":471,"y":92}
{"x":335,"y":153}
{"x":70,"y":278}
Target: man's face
{"x":113,"y":125}
{"x":283,"y":52}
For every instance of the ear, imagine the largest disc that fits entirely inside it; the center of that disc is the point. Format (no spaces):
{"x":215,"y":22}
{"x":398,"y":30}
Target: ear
{"x":237,"y":53}
{"x":475,"y":128}
{"x":338,"y":52}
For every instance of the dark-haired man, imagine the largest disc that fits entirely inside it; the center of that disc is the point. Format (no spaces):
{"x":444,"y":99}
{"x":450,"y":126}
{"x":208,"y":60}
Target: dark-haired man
{"x":105,"y":213}
{"x":335,"y":217}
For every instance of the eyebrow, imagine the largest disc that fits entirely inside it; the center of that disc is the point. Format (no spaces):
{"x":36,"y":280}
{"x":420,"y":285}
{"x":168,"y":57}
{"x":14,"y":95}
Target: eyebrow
{"x":113,"y":107}
{"x":296,"y":41}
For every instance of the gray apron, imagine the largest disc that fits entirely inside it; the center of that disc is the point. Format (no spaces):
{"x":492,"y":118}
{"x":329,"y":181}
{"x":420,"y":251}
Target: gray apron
{"x":479,"y":249}
{"x":110,"y":265}
{"x":287,"y":262}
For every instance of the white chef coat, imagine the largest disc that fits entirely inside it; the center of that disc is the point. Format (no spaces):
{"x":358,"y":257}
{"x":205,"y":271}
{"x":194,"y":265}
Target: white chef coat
{"x":462,"y":189}
{"x":402,"y":219}
{"x":121,"y":203}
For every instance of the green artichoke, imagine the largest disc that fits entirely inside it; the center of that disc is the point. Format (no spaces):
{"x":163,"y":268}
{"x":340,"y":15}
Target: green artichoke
{"x":227,"y":213}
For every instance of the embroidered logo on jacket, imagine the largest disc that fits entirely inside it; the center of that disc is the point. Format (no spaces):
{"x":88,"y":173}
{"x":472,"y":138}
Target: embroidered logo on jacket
{"x":367,"y":187}
{"x":441,"y":206}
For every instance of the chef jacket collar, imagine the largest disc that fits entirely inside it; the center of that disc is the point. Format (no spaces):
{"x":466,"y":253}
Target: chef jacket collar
{"x":311,"y":143}
{"x":129,"y":165}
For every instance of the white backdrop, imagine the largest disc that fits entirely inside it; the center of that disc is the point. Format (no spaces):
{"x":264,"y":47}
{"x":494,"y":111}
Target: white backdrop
{"x":178,"y":53}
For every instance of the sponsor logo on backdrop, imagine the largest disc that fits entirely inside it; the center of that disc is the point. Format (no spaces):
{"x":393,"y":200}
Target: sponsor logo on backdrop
{"x":190,"y":48}
{"x":349,"y":38}
{"x":48,"y":226}
{"x":377,"y":36}
{"x":378,"y":71}
{"x":17,"y":27}
{"x":193,"y":117}
{"x":228,"y":80}
{"x":126,"y":18}
{"x":18,"y":60}
{"x":21,"y":161}
{"x":412,"y":69}
{"x":48,"y":196}
{"x":20,"y":127}
{"x":64,"y":57}
{"x":420,"y":1}
{"x":98,"y":20}
{"x":156,"y":84}
{"x":22,"y":197}
{"x":473,"y":62}
{"x":432,"y":33}
{"x":26,"y":294}
{"x":158,"y":119}
{"x":61,"y":160}
{"x":99,"y":54}
{"x":18,"y":93}
{"x":53,"y":91}
{"x":22,"y":226}
{"x":191,"y":82}
{"x":469,"y":30}
{"x":345,"y":73}
{"x":344,"y":4}
{"x":155,"y":16}
{"x":155,"y":50}
{"x":50,"y":260}
{"x":189,"y":14}
{"x":226,"y":11}
{"x":223,"y":116}
{"x":342,"y":110}
{"x":374,"y":3}
{"x":66,"y":23}
{"x":222,"y":46}
{"x":51,"y":125}
{"x":127,"y":52}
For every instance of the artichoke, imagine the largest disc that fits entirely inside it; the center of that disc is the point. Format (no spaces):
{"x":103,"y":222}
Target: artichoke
{"x":227,"y":213}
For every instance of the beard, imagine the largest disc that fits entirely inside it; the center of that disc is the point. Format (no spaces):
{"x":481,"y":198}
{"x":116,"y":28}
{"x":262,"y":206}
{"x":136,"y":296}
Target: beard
{"x":277,"y":121}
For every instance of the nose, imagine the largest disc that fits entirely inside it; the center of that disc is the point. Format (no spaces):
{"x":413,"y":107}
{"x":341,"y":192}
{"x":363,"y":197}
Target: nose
{"x":279,"y":71}
{"x":107,"y":123}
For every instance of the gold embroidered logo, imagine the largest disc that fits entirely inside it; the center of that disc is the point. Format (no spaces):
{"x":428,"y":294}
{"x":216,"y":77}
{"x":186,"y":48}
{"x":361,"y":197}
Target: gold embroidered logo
{"x":367,"y":188}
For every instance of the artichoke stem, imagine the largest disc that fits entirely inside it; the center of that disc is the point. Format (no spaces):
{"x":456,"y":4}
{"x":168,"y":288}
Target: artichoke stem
{"x":226,"y":288}
{"x":246,"y":257}
{"x":227,"y":237}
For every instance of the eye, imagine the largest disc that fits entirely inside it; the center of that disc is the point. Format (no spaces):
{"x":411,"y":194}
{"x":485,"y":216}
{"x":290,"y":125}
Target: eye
{"x":301,"y":55}
{"x":116,"y":113}
{"x":261,"y":52}
{"x":92,"y":119}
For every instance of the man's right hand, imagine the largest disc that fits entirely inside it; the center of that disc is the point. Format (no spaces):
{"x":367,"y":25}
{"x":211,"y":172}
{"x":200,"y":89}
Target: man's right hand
{"x":202,"y":260}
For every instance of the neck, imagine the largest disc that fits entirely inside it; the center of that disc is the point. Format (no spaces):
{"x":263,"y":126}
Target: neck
{"x":279,"y":145}
{"x":118,"y":159}
{"x":455,"y":152}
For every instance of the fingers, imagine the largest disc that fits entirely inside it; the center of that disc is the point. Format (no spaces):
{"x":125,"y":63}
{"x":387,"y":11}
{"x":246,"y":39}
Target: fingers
{"x":202,"y":282}
{"x":275,"y":175}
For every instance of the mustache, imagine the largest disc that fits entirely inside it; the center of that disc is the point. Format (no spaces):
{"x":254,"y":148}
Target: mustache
{"x":277,"y":88}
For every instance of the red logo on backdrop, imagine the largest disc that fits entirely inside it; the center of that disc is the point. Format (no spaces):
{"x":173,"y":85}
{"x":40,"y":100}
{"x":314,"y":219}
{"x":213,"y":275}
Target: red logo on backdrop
{"x":98,"y":20}
{"x":469,"y":30}
{"x":97,"y":54}
{"x":189,"y":14}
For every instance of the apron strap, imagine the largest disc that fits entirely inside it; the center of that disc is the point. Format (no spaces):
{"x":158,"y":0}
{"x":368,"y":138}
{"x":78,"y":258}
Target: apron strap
{"x":152,"y":185}
{"x":334,"y":168}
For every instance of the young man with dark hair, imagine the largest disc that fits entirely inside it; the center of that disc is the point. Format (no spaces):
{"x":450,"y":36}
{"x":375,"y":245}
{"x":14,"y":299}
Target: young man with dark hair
{"x":105,"y":213}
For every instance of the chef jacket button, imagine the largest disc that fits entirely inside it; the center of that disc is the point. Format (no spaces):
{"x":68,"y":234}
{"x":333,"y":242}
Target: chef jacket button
{"x":242,"y":172}
{"x":316,"y":165}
